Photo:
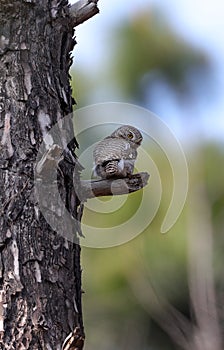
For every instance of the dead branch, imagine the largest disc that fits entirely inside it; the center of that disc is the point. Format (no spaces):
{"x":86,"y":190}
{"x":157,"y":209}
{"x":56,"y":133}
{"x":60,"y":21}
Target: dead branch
{"x":82,"y":10}
{"x":97,"y":188}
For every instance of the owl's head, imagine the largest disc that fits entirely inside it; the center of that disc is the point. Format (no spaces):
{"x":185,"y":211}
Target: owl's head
{"x":129,"y":133}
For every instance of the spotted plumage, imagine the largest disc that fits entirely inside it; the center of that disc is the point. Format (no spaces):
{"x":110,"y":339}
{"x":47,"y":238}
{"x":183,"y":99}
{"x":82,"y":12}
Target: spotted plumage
{"x":115,"y":155}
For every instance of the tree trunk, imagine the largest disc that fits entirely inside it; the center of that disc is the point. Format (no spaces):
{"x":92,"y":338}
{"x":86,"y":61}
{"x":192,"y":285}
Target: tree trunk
{"x":40,"y":276}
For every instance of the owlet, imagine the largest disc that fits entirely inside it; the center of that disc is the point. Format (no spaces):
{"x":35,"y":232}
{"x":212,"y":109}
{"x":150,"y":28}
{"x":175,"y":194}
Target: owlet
{"x":114,"y":156}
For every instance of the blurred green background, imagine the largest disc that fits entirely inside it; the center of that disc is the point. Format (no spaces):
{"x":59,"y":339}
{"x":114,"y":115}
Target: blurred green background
{"x":158,"y":292}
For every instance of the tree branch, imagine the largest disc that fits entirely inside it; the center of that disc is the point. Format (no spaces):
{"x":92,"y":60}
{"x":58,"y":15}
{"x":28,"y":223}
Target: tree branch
{"x":97,"y":188}
{"x":89,"y":188}
{"x":82,"y":10}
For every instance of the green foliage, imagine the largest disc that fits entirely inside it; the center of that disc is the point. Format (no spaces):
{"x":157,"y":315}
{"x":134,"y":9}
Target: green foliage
{"x":147,"y":49}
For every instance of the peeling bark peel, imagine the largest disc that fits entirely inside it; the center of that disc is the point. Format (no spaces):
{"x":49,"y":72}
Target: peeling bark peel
{"x":6,"y":139}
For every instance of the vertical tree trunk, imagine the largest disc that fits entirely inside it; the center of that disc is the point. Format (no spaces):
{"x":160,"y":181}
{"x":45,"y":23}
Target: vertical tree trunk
{"x":40,"y":277}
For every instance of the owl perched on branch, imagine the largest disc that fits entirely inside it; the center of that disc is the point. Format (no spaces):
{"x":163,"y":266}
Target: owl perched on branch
{"x":114,"y":156}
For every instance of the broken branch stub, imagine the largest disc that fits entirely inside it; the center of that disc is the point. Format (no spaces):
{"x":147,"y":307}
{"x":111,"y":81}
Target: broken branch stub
{"x":108,"y":187}
{"x":82,"y":10}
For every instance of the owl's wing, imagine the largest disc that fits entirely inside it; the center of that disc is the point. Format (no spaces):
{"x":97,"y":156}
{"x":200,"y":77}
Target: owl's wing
{"x":112,"y":148}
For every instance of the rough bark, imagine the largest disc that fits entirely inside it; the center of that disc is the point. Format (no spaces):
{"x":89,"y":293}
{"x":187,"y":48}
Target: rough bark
{"x":40,"y":276}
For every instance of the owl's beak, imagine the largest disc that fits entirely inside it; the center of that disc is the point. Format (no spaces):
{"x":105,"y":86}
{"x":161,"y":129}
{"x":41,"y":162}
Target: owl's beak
{"x":139,"y":141}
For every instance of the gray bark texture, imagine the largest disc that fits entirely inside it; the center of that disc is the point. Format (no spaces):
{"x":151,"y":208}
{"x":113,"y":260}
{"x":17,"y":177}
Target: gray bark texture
{"x":40,"y":275}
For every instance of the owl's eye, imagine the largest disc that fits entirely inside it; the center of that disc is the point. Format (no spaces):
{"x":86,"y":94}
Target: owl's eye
{"x":130,"y":135}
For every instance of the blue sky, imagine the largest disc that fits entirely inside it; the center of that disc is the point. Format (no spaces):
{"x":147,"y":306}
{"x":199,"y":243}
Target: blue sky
{"x":200,"y":22}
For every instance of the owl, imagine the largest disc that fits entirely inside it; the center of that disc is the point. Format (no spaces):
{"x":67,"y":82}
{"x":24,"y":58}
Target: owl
{"x":114,"y":156}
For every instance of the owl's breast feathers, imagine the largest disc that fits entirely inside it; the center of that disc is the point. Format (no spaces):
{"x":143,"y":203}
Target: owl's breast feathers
{"x":113,"y":149}
{"x":114,"y":157}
